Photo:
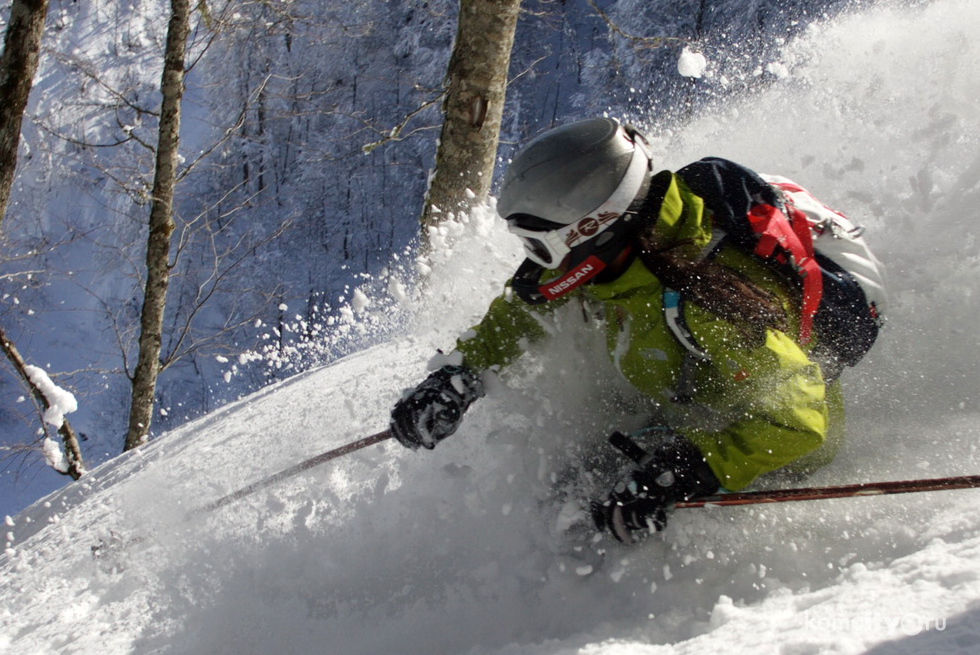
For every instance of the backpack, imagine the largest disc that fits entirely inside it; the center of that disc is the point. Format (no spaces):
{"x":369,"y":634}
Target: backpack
{"x":843,"y":297}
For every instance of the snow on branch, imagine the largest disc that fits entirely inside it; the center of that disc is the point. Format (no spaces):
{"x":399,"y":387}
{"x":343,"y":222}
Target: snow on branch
{"x":55,"y":403}
{"x":60,"y":402}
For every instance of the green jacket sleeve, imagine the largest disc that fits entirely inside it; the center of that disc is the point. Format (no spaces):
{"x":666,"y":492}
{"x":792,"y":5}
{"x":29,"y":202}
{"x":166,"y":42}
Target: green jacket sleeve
{"x":775,"y":399}
{"x":500,"y":336}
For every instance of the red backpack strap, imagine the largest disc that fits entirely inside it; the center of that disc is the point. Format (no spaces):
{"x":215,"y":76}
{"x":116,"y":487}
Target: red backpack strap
{"x":789,"y":241}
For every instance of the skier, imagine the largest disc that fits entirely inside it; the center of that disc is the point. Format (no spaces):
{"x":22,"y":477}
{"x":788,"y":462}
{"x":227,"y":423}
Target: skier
{"x":743,"y":389}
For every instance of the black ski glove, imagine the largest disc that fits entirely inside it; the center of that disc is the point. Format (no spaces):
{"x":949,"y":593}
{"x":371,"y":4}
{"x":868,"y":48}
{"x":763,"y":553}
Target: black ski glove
{"x":674,"y":470}
{"x":434,"y":409}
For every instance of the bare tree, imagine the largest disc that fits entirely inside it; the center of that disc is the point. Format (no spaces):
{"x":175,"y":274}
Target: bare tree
{"x":207,"y":256}
{"x":18,"y":64}
{"x":473,"y":108}
{"x":161,"y":228}
{"x":74,"y":466}
{"x":641,"y":42}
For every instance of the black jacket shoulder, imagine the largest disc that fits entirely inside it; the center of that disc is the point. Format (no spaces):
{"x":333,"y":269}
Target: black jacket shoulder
{"x":729,"y":190}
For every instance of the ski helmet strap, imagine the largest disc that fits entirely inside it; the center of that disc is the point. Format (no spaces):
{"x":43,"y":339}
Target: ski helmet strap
{"x":526,"y":281}
{"x":789,"y":241}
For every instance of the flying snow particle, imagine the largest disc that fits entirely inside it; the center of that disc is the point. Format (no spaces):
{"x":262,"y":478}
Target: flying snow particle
{"x":397,"y":290}
{"x":778,"y":69}
{"x":360,"y":301}
{"x":691,"y":64}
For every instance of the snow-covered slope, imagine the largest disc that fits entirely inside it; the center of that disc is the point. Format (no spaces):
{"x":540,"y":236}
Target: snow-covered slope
{"x":463,"y":549}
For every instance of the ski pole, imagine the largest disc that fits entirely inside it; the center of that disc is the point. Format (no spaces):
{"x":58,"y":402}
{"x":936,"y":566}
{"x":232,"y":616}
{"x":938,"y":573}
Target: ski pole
{"x":840,"y":491}
{"x":294,"y":470}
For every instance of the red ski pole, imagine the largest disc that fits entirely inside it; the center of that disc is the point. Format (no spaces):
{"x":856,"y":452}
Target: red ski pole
{"x":840,"y":491}
{"x":294,"y":470}
{"x":104,"y":546}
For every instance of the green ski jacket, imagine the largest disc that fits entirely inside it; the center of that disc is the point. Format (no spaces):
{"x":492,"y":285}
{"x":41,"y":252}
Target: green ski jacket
{"x":751,"y":408}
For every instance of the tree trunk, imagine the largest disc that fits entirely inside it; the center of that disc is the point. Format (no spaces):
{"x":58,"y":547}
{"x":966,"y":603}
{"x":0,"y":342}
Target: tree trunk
{"x":73,"y":453}
{"x":18,"y":64}
{"x":477,"y":78}
{"x":161,"y":228}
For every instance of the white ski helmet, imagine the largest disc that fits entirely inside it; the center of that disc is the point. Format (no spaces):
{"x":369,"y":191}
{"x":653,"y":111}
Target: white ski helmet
{"x":569,"y":195}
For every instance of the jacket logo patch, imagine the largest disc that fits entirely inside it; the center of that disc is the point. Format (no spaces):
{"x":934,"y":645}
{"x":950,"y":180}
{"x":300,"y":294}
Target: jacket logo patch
{"x":573,"y":279}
